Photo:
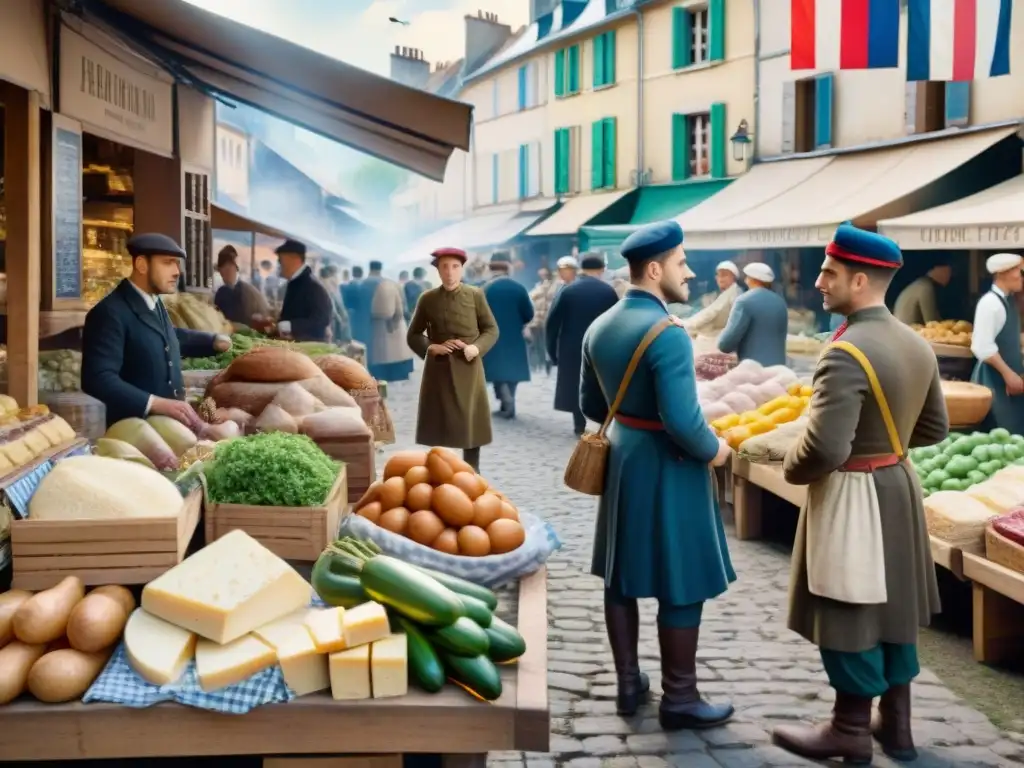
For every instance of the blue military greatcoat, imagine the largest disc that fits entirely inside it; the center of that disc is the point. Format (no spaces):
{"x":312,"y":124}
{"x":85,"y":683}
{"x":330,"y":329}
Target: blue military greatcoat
{"x":757,"y":327}
{"x":512,"y":308}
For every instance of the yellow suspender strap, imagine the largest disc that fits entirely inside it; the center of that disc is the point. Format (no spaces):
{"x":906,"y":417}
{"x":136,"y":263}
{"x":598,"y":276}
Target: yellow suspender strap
{"x":876,"y":390}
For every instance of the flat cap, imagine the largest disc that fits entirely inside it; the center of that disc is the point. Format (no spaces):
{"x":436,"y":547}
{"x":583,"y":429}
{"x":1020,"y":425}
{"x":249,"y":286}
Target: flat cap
{"x":1002,"y":262}
{"x":291,"y":246}
{"x":376,"y":266}
{"x":593,"y":260}
{"x":862,"y":247}
{"x":458,"y":253}
{"x":759,"y":271}
{"x":568,"y":262}
{"x":727,"y":266}
{"x":652,"y":240}
{"x":153,"y":244}
{"x":501,"y":257}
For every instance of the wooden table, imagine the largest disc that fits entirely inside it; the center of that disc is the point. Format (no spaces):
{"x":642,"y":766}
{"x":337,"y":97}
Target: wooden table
{"x":449,"y":723}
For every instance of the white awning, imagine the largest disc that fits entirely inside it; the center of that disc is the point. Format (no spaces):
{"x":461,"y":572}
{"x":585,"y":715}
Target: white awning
{"x":229,"y":221}
{"x":576,"y":212}
{"x":992,"y":219}
{"x":473,"y":234}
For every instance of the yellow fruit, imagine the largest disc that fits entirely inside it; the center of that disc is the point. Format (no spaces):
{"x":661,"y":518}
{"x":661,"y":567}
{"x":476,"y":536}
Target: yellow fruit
{"x":805,"y":390}
{"x":749,"y":417}
{"x":737,"y":435}
{"x":774,"y":404}
{"x":784,"y":416}
{"x":794,"y":388}
{"x":806,"y":401}
{"x":726,"y":422}
{"x":761,"y":426}
{"x":796,"y":403}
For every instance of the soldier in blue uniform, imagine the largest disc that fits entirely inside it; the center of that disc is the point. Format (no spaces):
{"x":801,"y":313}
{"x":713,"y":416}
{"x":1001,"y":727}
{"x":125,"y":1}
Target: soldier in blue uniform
{"x":759,"y":320}
{"x":659,"y":532}
{"x":507,"y":364}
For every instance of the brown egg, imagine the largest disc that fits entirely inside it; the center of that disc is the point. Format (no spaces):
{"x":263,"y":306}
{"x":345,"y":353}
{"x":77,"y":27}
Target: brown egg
{"x":395,"y":520}
{"x":447,"y":542}
{"x":505,"y":535}
{"x":371,"y":495}
{"x":417,"y":475}
{"x":468,"y":483}
{"x":440,"y":470}
{"x":392,"y":493}
{"x":424,"y":527}
{"x":402,"y":462}
{"x":452,"y":505}
{"x":509,"y":512}
{"x":486,"y":509}
{"x":474,"y":541}
{"x":371,"y":512}
{"x":419,"y":497}
{"x":459,"y":465}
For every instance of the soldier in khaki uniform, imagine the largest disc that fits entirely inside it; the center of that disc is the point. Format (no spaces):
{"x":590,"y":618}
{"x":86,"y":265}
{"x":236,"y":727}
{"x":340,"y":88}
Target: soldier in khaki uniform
{"x":868,"y":648}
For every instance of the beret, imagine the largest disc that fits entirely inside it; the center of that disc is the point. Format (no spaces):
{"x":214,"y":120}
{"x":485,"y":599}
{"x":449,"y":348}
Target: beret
{"x":501,"y":257}
{"x":858,"y":245}
{"x":153,"y":244}
{"x":291,"y":246}
{"x":458,"y":253}
{"x":376,"y":266}
{"x":727,"y":266}
{"x":652,"y":240}
{"x":568,"y":262}
{"x":1002,"y":262}
{"x":759,"y":271}
{"x":593,"y":261}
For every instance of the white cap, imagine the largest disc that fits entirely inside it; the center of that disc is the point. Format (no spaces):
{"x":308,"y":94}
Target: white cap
{"x":727,"y":266}
{"x":568,"y":262}
{"x":759,"y":271}
{"x":1002,"y":262}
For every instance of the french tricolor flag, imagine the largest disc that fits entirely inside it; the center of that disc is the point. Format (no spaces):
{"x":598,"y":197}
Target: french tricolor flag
{"x":845,"y":34}
{"x":958,"y":39}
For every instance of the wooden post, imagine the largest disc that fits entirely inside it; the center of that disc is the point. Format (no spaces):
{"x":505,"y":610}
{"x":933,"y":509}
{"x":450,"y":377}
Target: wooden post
{"x":747,"y":499}
{"x":24,"y":232}
{"x":998,"y":626}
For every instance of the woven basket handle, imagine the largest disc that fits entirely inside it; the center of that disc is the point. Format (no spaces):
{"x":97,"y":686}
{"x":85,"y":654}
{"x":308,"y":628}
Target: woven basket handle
{"x":647,"y":340}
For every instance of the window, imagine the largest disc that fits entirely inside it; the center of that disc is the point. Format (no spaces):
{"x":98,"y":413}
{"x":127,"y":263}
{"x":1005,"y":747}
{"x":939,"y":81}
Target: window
{"x":698,"y":34}
{"x":934,"y":106}
{"x":563,"y":161}
{"x":698,"y":144}
{"x":604,"y":59}
{"x":807,"y":114}
{"x":603,"y":156}
{"x":495,"y":186}
{"x":528,"y":86}
{"x":567,"y":71}
{"x":529,"y":170}
{"x":198,"y":232}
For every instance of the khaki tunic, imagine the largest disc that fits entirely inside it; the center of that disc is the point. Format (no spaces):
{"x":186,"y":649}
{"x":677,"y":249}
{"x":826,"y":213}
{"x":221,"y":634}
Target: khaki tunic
{"x":917,"y":303}
{"x":845,"y":422}
{"x":454,"y":409}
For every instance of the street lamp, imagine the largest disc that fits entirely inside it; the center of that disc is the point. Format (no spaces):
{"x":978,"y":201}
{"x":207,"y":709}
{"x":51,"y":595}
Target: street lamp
{"x":741,"y":141}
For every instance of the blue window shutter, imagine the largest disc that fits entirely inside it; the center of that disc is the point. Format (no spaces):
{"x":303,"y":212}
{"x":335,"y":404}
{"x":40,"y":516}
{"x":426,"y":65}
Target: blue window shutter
{"x":716,"y":32}
{"x":597,"y":154}
{"x":682,"y":38}
{"x":560,"y":72}
{"x":524,"y":165}
{"x":823,"y":111}
{"x":958,"y":104}
{"x":599,"y":60}
{"x":681,"y":141}
{"x":609,"y":57}
{"x":495,"y":162}
{"x":573,"y":86}
{"x":719,"y":166}
{"x":522,"y":88}
{"x":611,"y":156}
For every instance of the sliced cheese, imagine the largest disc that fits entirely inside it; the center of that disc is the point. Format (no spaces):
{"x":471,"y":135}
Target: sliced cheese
{"x":326,"y":629}
{"x":304,"y":667}
{"x":57,"y":431}
{"x":999,"y":494}
{"x":278,"y":632}
{"x":5,"y":463}
{"x":389,"y":667}
{"x":158,"y":652}
{"x":365,"y":623}
{"x":219,"y":666}
{"x":17,"y":452}
{"x":227,"y":589}
{"x":350,"y":673}
{"x":36,"y":441}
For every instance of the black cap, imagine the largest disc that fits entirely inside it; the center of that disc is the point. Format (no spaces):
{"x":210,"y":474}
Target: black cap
{"x":291,"y":246}
{"x":376,"y":266}
{"x":227,"y":255}
{"x":154,"y":244}
{"x":357,"y":272}
{"x":593,"y":261}
{"x":501,"y":259}
{"x":419,"y":272}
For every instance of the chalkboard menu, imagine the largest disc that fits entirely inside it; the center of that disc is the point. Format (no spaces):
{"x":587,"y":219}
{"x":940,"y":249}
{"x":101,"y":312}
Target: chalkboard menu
{"x":67,"y":214}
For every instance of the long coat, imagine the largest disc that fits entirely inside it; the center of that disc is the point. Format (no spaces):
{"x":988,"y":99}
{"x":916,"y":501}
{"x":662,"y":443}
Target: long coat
{"x":307,"y":307}
{"x":575,"y":307}
{"x":130,"y":352}
{"x":659,"y":531}
{"x":358,"y":312}
{"x":757,"y":326}
{"x":454,"y":409}
{"x":387,"y":354}
{"x":845,"y":422}
{"x":510,"y":303}
{"x":239,"y":302}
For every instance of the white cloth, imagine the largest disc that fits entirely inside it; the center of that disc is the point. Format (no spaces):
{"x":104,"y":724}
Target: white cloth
{"x":759,"y":271}
{"x":989,"y":319}
{"x":285,"y":326}
{"x":727,"y":266}
{"x":712,"y":319}
{"x":1002,"y":262}
{"x":568,"y":262}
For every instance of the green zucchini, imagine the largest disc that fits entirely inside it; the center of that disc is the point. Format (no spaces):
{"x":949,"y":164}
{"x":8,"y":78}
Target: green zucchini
{"x":476,"y":675}
{"x":477,"y":610}
{"x":463,"y":637}
{"x":410,"y":592}
{"x":462,"y":586}
{"x":334,"y":587}
{"x":424,"y":664}
{"x":506,"y":644}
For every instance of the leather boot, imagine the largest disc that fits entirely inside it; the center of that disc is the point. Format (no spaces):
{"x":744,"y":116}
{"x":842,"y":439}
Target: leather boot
{"x":622,"y":618}
{"x":891,"y":728}
{"x":847,"y":736}
{"x":681,"y":704}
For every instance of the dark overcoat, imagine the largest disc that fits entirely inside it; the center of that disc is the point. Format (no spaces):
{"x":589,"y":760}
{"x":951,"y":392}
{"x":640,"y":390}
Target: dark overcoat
{"x":510,"y":304}
{"x":308,"y":307}
{"x":575,"y":307}
{"x":358,"y":311}
{"x":130,"y":352}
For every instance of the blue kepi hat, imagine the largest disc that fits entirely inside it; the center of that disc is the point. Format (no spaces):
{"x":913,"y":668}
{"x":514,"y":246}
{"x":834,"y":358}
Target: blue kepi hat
{"x":652,"y":240}
{"x":862,"y":247}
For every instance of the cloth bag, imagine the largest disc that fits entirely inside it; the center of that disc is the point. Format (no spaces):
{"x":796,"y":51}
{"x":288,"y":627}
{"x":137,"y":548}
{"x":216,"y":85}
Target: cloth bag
{"x":845,"y":552}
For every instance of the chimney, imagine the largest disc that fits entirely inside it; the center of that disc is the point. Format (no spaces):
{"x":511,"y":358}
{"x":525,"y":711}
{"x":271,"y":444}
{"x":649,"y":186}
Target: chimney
{"x":485,"y":34}
{"x":540,"y":8}
{"x":409,"y":67}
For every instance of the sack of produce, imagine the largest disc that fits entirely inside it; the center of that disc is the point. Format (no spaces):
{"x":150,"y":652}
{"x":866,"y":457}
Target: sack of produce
{"x":958,"y":519}
{"x":346,"y":372}
{"x":334,"y":424}
{"x":271,"y":364}
{"x":771,"y":447}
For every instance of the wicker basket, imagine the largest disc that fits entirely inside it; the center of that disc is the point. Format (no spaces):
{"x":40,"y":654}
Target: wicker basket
{"x":966,"y":403}
{"x":1003,"y":551}
{"x":86,"y":415}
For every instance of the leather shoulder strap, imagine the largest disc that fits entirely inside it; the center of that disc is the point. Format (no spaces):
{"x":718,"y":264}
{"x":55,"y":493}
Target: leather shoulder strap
{"x":634,"y":361}
{"x":876,"y":390}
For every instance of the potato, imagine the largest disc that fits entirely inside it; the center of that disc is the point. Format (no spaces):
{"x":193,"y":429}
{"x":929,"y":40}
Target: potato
{"x":9,"y":603}
{"x":16,"y":659}
{"x":123,"y":595}
{"x":96,"y":623}
{"x":44,"y":616}
{"x":65,"y":675}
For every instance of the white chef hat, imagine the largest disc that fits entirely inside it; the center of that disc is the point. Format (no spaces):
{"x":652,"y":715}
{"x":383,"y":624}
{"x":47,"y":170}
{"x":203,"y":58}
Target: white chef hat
{"x":568,"y":262}
{"x":727,"y":266}
{"x":759,"y":271}
{"x":1001,"y":262}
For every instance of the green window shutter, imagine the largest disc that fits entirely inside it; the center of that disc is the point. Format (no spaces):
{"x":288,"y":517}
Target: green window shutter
{"x":718,"y":130}
{"x":716,"y":33}
{"x":557,"y":159}
{"x":597,"y":154}
{"x":680,"y":148}
{"x":573,"y":86}
{"x":610,"y":153}
{"x":609,"y":58}
{"x":599,"y":60}
{"x":560,"y":72}
{"x":682,"y":38}
{"x":565,"y":151}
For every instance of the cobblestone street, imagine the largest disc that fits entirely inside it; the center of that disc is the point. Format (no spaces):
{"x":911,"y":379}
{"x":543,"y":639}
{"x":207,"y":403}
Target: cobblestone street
{"x":746,"y":652}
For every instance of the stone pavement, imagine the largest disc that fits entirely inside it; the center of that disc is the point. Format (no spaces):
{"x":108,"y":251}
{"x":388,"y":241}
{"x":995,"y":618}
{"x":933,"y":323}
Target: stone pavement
{"x":746,"y":653}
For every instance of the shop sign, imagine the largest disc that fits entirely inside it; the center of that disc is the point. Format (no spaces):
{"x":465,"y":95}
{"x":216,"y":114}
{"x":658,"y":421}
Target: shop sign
{"x":112,"y":99}
{"x":792,"y":237}
{"x":981,"y":237}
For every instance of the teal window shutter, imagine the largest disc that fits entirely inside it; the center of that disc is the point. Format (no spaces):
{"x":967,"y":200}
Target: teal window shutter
{"x":562,"y":161}
{"x":524,"y":169}
{"x":823,"y":111}
{"x":600,"y":78}
{"x":716,"y":31}
{"x":522,"y":88}
{"x":681,"y":141}
{"x":958,"y":104}
{"x":494,"y":177}
{"x":560,"y":72}
{"x":717,"y":150}
{"x":557,"y":157}
{"x":610,"y":153}
{"x":597,"y":154}
{"x":573,"y":86}
{"x":682,"y":38}
{"x":609,"y":58}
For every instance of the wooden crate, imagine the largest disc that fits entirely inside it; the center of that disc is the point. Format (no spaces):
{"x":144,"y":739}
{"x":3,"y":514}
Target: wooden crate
{"x":294,"y":533}
{"x":121,"y":551}
{"x":359,"y":455}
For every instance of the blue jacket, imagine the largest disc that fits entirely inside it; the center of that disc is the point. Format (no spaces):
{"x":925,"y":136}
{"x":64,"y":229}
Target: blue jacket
{"x":358,"y":311}
{"x":512,"y":309}
{"x":757,"y":327}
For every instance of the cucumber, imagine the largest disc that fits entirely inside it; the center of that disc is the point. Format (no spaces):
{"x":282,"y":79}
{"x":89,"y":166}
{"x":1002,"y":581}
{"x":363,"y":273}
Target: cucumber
{"x":506,"y":644}
{"x":410,"y":592}
{"x":477,"y":610}
{"x":334,"y":587}
{"x":463,"y":637}
{"x":476,"y":675}
{"x":462,"y":587}
{"x":424,"y":664}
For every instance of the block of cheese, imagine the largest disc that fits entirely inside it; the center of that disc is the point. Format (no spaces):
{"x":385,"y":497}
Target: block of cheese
{"x":57,"y":431}
{"x":227,"y":589}
{"x":304,"y":667}
{"x":326,"y":629}
{"x":350,"y":673}
{"x":36,"y":441}
{"x":1000,"y":494}
{"x":17,"y":452}
{"x":959,"y":519}
{"x":158,"y":652}
{"x":219,"y":666}
{"x":389,"y":667}
{"x":277,"y":632}
{"x":365,"y":623}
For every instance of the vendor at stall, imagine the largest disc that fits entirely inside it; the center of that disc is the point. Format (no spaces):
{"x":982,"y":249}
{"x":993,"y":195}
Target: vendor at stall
{"x":995,"y":343}
{"x":238,"y":300}
{"x":307,"y":311}
{"x":917,"y":302}
{"x":759,"y":320}
{"x":131,"y":354}
{"x":712,"y":319}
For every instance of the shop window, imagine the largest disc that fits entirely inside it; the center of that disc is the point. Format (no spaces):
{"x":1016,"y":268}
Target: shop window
{"x":807,"y":114}
{"x":198,"y":232}
{"x":108,"y":214}
{"x":935,"y":106}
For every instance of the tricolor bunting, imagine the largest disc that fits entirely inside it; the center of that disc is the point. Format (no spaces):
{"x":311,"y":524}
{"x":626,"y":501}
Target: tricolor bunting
{"x":958,"y":39}
{"x":845,"y":34}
